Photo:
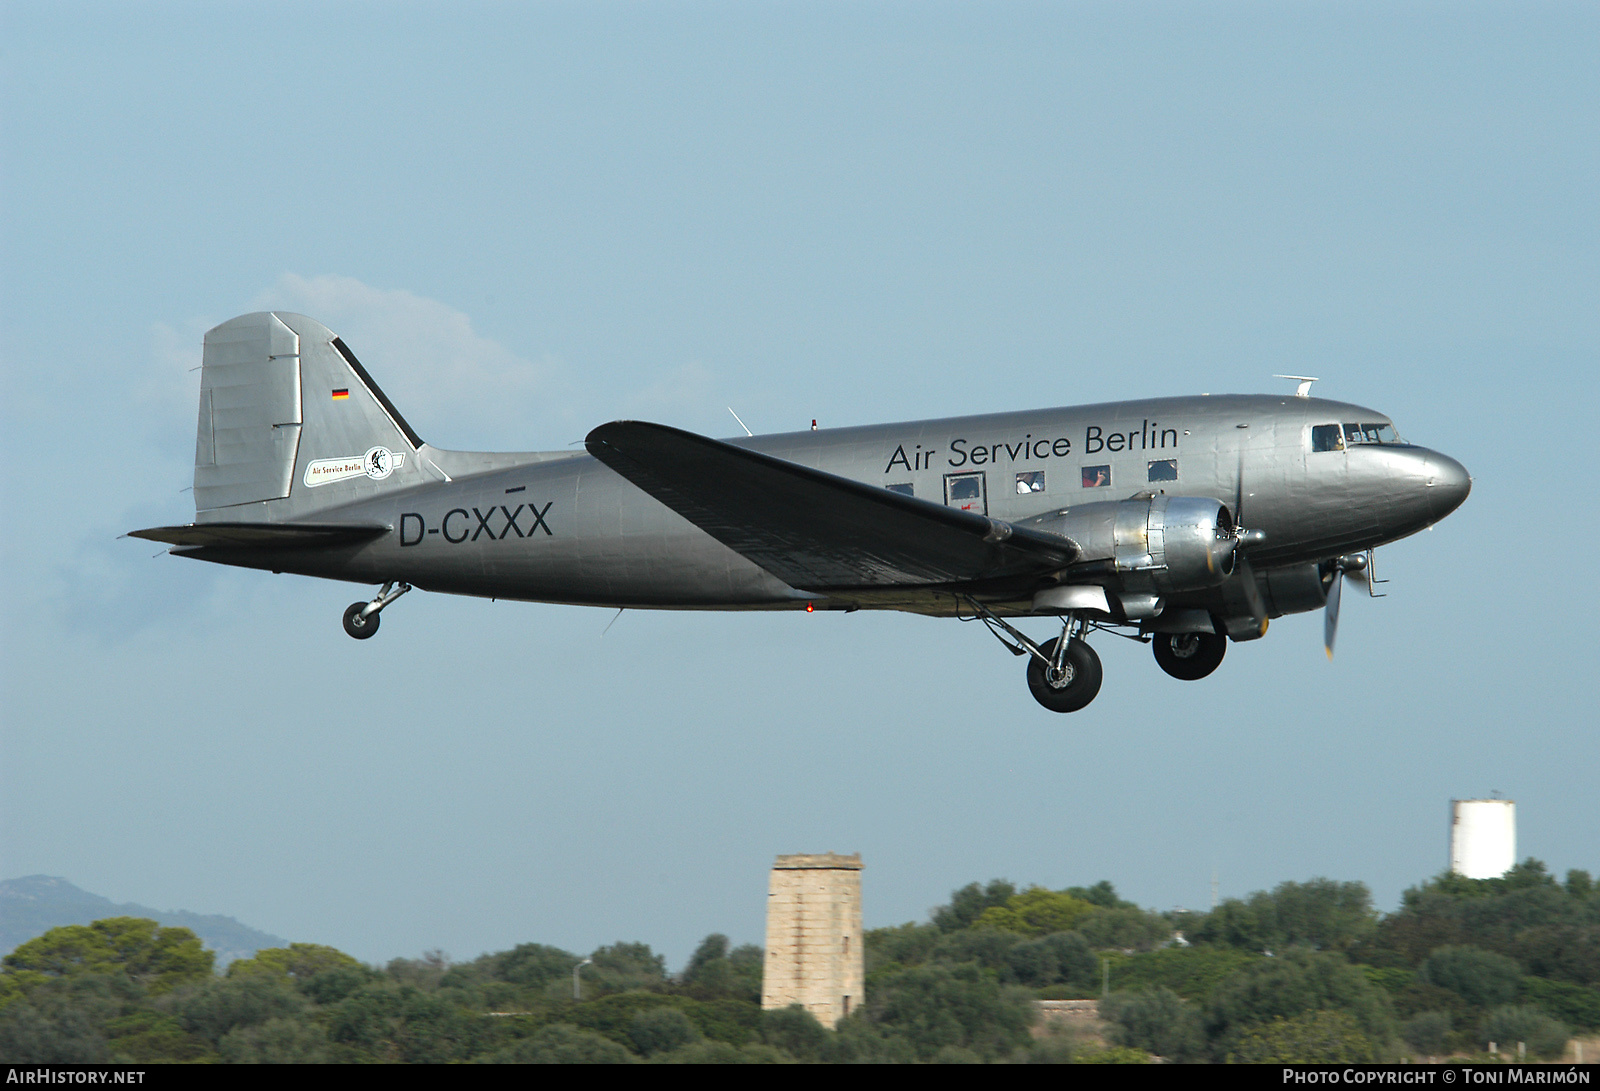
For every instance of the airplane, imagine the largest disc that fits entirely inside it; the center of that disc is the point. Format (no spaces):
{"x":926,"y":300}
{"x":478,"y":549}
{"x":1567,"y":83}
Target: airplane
{"x":1185,"y":523}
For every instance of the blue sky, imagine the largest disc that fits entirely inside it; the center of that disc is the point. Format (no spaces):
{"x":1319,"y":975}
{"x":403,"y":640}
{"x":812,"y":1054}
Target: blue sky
{"x":527,"y":220}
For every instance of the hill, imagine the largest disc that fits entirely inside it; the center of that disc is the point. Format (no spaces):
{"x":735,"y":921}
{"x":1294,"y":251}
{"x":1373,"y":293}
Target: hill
{"x":33,"y":905}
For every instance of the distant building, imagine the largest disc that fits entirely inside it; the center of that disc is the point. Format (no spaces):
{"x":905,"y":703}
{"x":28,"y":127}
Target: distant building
{"x":1483,"y":837}
{"x":814,"y":949}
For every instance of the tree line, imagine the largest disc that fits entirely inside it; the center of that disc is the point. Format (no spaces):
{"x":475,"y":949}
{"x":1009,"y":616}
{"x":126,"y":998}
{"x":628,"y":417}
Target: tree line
{"x":1305,"y":972}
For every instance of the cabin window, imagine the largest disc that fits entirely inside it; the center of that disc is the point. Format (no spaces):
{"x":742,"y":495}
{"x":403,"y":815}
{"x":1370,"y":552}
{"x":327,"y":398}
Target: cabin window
{"x":1326,"y":437}
{"x":1375,"y":432}
{"x":1030,"y":482}
{"x":903,"y":490}
{"x":1164,"y":469}
{"x":1096,"y":477}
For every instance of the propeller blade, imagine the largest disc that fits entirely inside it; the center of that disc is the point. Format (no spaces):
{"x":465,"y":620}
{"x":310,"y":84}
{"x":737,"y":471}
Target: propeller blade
{"x":1252,"y":592}
{"x":1238,"y":491}
{"x":1330,"y":618}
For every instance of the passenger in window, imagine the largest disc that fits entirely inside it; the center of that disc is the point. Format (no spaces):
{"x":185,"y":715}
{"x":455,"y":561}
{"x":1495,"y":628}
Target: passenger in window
{"x":1095,"y":477}
{"x":1030,"y":482}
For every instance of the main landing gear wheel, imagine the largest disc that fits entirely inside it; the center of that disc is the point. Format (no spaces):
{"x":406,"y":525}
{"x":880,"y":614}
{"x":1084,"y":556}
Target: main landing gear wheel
{"x":1189,"y":656}
{"x":1070,"y":687}
{"x":358,"y":626}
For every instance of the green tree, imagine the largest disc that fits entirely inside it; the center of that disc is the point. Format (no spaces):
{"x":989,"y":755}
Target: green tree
{"x":1506,"y":1026}
{"x":145,"y":1036}
{"x":1035,"y":912}
{"x":1291,"y":985}
{"x":158,"y":958}
{"x":988,"y":948}
{"x":623,"y":966}
{"x":299,"y":961}
{"x":715,"y":971}
{"x":1101,"y":894}
{"x":936,"y":1005}
{"x":1575,"y":1004}
{"x":535,"y":964}
{"x":1426,"y":1032}
{"x":562,"y":1043}
{"x":1481,"y":978}
{"x":331,"y":986}
{"x":1157,"y":1021}
{"x":897,"y":947}
{"x":1321,"y":914}
{"x":1191,"y":972}
{"x":367,"y":1020}
{"x":1125,"y":928}
{"x":222,"y":1004}
{"x":1553,"y":930}
{"x":661,"y":1030}
{"x":705,"y":1052}
{"x":277,"y":1041}
{"x":795,"y":1031}
{"x":31,"y":1036}
{"x":1313,"y":1037}
{"x":1063,"y":958}
{"x":968,"y":903}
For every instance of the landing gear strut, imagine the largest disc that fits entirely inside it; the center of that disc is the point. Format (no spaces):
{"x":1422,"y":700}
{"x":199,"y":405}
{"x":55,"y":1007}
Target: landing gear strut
{"x":361,"y":618}
{"x":1189,"y":656}
{"x":1063,"y":674}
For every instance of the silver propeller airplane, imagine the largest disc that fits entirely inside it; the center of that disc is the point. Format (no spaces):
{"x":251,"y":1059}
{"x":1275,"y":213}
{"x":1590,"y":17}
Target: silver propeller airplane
{"x":1181,"y":522}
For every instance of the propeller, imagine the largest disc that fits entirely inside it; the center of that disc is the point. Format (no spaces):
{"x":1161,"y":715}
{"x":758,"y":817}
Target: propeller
{"x":1242,"y":540}
{"x":1352,"y":566}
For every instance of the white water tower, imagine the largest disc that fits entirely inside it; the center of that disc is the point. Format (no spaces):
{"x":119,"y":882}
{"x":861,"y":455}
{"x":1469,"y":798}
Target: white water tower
{"x":1483,"y":837}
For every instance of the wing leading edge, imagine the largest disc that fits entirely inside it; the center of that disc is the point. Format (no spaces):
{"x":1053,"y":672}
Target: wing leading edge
{"x":816,"y":530}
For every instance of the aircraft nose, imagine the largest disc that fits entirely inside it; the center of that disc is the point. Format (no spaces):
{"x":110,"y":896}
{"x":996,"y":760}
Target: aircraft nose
{"x":1448,"y":484}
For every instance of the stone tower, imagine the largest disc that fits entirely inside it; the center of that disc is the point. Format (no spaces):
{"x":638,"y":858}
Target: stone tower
{"x":814,"y":955}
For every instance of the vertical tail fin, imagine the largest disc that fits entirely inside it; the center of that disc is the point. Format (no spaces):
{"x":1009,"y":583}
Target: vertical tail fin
{"x":290,"y":422}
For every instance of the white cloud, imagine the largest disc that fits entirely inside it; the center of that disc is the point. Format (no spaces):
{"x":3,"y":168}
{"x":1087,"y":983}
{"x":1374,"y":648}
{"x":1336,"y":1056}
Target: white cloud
{"x":455,"y":386}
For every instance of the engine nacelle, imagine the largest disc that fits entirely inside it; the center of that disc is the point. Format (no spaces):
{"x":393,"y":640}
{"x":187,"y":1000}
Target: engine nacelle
{"x":1295,"y":590}
{"x":1151,"y":543}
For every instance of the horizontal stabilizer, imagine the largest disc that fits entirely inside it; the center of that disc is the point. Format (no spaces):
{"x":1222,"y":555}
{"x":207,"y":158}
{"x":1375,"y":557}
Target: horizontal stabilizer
{"x":817,"y":530}
{"x":258,"y":536}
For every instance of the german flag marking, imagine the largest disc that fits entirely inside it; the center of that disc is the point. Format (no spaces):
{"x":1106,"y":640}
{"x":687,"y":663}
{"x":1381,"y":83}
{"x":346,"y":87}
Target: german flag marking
{"x":341,"y":394}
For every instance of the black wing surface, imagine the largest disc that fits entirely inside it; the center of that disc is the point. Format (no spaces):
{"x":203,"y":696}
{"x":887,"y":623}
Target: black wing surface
{"x":816,"y":530}
{"x":257,"y":536}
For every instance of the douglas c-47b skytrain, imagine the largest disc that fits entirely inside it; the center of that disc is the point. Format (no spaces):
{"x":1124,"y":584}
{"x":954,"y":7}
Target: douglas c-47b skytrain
{"x":1181,"y":522}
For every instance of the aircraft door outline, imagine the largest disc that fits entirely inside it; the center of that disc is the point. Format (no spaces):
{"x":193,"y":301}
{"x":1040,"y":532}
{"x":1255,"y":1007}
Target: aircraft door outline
{"x":967,"y":491}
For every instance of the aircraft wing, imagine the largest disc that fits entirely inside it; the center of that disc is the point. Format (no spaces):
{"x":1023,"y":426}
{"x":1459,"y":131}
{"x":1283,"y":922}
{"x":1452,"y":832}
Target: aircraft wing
{"x":817,"y":530}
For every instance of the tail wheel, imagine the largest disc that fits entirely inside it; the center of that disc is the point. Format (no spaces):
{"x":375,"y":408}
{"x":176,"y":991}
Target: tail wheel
{"x":1073,"y":686}
{"x":358,"y":626}
{"x":1189,"y":656}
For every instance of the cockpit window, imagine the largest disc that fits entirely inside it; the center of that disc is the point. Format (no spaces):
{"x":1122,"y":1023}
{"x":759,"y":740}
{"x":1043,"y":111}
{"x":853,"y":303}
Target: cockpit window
{"x":1376,"y":432}
{"x":1326,"y":437}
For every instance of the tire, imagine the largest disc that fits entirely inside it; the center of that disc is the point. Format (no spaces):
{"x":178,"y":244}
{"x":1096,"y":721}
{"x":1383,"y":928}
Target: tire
{"x":356,"y":625}
{"x":1189,"y":656}
{"x":1081,"y":668}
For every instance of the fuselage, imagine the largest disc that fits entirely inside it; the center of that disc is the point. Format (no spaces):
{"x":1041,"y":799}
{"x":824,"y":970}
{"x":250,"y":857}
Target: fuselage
{"x":1318,"y":479}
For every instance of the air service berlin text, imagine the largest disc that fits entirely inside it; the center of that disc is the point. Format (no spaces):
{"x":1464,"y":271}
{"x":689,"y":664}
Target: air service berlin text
{"x":1096,"y":439}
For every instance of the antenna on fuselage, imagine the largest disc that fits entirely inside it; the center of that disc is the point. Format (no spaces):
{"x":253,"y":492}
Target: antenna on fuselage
{"x":742,"y":424}
{"x":1305,"y":381}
